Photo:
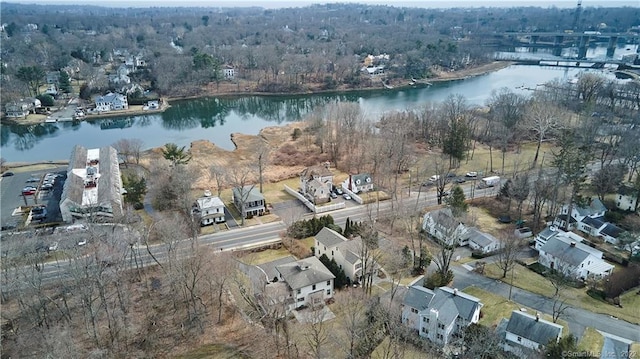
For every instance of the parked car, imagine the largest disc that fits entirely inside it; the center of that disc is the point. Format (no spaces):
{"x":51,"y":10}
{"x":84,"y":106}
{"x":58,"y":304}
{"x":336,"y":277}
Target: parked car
{"x":53,"y":246}
{"x":460,"y":180}
{"x":346,"y":196}
{"x":82,"y":242}
{"x":33,"y":180}
{"x":472,"y":174}
{"x":338,"y":191}
{"x":7,"y":174}
{"x":47,"y":186}
{"x":38,"y":213}
{"x":434,"y":178}
{"x":333,"y":195}
{"x":29,"y":191}
{"x":451,"y":175}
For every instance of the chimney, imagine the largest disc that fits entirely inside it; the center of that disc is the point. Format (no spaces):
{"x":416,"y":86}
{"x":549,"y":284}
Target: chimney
{"x":573,"y":244}
{"x":537,"y":317}
{"x":350,"y":180}
{"x":207,"y":193}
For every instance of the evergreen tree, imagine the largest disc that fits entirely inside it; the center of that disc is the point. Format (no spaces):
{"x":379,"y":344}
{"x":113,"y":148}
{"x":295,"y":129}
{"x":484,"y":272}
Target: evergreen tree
{"x":457,"y":201}
{"x":177,"y":155}
{"x":65,"y":82}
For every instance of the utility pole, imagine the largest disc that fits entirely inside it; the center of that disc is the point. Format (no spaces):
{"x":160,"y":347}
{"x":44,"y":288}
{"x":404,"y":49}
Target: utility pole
{"x":576,"y":15}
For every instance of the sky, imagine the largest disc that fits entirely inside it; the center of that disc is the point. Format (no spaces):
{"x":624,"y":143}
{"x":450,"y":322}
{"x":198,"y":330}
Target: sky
{"x":299,"y":3}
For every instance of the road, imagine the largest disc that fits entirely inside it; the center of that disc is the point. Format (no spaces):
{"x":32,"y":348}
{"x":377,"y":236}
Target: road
{"x":578,"y":319}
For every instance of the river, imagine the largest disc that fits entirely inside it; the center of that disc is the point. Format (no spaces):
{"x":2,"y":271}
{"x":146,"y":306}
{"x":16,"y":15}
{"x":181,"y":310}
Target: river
{"x":216,"y":119}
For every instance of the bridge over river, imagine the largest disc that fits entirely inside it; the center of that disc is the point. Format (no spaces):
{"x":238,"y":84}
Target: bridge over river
{"x":557,"y":39}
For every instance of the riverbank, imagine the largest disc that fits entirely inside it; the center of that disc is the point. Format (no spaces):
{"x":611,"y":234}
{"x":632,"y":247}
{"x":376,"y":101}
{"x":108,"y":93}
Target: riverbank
{"x":233,"y":90}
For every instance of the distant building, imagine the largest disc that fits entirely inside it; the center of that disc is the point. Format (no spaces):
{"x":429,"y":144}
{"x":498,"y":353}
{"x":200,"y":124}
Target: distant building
{"x":93,"y":187}
{"x":442,"y":225}
{"x":310,"y":282}
{"x":526,"y":334}
{"x":254,"y":201}
{"x":573,"y":259}
{"x":111,"y":102}
{"x":316,"y":183}
{"x":229,"y":72}
{"x":627,"y":199}
{"x":359,"y":183}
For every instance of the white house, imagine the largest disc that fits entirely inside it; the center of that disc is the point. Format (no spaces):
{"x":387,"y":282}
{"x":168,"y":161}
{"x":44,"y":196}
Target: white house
{"x":316,"y":183}
{"x":210,"y":209}
{"x":594,"y":209}
{"x":438,"y":315}
{"x":526,"y":334}
{"x":482,"y":242}
{"x":573,"y":258}
{"x":345,"y":252}
{"x":627,"y":199}
{"x":229,"y":72}
{"x":254,"y":201}
{"x":443,"y":226}
{"x":359,"y":183}
{"x":110,"y":102}
{"x":310,"y":282}
{"x":552,"y":231}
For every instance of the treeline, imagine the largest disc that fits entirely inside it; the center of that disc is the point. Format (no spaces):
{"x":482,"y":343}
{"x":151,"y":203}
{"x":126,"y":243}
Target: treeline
{"x":277,"y":49}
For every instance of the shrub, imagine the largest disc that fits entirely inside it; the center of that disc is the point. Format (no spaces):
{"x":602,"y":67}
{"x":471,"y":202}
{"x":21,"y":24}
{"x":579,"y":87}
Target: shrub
{"x":46,"y":100}
{"x":296,"y":134}
{"x":438,"y":280}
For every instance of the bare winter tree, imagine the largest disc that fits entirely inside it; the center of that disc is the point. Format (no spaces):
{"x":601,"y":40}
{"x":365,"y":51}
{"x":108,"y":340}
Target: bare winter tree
{"x":217,"y":173}
{"x":241,"y":178}
{"x":510,"y":247}
{"x":353,"y":324}
{"x":542,"y":118}
{"x":317,"y":332}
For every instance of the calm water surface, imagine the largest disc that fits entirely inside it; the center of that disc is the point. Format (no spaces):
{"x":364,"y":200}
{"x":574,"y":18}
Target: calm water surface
{"x":216,"y":119}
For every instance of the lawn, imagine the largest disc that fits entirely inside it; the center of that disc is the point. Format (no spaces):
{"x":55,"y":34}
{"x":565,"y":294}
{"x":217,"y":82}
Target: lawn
{"x":591,"y":341}
{"x":408,"y":351}
{"x":264,"y":256}
{"x":530,"y":281}
{"x":496,"y":307}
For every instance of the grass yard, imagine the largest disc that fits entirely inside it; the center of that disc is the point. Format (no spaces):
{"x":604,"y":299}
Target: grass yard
{"x":275,"y":193}
{"x":407,"y":351}
{"x":264,"y":256}
{"x":307,"y":242}
{"x":591,"y":341}
{"x":530,"y":281}
{"x":497,"y":307}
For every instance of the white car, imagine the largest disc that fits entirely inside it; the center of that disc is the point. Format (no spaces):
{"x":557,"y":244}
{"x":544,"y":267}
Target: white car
{"x":472,"y":174}
{"x":82,"y":242}
{"x":346,"y":196}
{"x":434,"y":178}
{"x":53,"y":247}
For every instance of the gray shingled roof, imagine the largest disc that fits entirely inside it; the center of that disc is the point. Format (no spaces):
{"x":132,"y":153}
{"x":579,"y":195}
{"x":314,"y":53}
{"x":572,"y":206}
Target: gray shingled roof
{"x":525,"y":325}
{"x":362,"y":177}
{"x":110,"y":182}
{"x":480,"y":238}
{"x":451,"y":303}
{"x":298,"y":278}
{"x":269,"y":268}
{"x":251,"y":193}
{"x":626,"y":191}
{"x":351,"y":249}
{"x":418,"y":297}
{"x":560,"y":247}
{"x":594,"y":207}
{"x":329,"y":238}
{"x":316,"y":171}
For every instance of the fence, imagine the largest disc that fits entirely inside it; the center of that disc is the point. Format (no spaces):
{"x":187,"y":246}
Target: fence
{"x":354,"y":196}
{"x":312,"y":207}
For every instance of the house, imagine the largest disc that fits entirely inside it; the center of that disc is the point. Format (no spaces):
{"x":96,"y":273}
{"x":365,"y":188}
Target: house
{"x":111,"y":102}
{"x":440,"y":314}
{"x":254,"y":201}
{"x":627,"y":199}
{"x":444,"y":227}
{"x":594,"y":209}
{"x":345,"y":252}
{"x":482,"y":242}
{"x":310,"y":282}
{"x":210,"y":209}
{"x":358,"y":183}
{"x":53,"y":77}
{"x":572,"y":258}
{"x":16,"y":110}
{"x":94,"y":186}
{"x":229,"y":72}
{"x":552,"y":231}
{"x":610,"y":233}
{"x":526,"y":333}
{"x":316,"y":183}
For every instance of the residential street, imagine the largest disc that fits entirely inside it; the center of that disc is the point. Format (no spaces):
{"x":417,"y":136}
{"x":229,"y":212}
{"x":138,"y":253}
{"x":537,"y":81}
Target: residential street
{"x":577,"y":318}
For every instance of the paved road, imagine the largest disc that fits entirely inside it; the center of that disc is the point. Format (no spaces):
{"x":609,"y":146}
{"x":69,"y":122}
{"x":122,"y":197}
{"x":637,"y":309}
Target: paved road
{"x":578,"y":319}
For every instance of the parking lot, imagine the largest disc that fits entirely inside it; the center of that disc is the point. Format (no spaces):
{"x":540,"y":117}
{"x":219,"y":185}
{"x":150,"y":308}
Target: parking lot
{"x":30,"y":189}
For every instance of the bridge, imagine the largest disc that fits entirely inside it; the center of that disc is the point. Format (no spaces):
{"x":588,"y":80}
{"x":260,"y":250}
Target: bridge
{"x":556,"y":39}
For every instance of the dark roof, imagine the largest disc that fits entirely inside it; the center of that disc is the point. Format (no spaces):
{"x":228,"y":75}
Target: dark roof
{"x":595,"y":206}
{"x":561,"y":248}
{"x":480,"y":238}
{"x":627,"y":191}
{"x":452,"y":303}
{"x":269,"y":268}
{"x":596,"y":222}
{"x":321,"y":171}
{"x":304,"y":272}
{"x":418,"y":297}
{"x":612,"y":230}
{"x":251,"y":193}
{"x":328,"y":237}
{"x":526,"y":326}
{"x":563,"y":217}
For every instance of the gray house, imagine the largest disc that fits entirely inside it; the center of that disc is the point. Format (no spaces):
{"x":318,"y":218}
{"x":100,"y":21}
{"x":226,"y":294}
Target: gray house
{"x":309,"y":281}
{"x":254,"y":201}
{"x":439,"y":315}
{"x":526,"y":333}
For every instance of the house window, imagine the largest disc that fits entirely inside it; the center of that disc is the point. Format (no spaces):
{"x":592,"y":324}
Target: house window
{"x":300,"y":299}
{"x":414,"y":310}
{"x":298,"y":291}
{"x":428,"y":320}
{"x":424,"y":330}
{"x":313,"y":287}
{"x":519,"y":339}
{"x":328,"y":291}
{"x":328,"y":282}
{"x":441,"y":326}
{"x":332,"y":253}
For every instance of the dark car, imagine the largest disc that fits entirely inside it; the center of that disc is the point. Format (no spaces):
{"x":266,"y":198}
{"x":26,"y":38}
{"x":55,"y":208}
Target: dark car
{"x":7,"y":174}
{"x":38,"y":213}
